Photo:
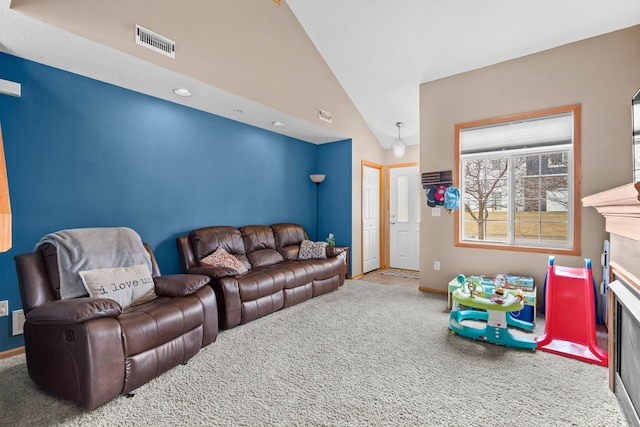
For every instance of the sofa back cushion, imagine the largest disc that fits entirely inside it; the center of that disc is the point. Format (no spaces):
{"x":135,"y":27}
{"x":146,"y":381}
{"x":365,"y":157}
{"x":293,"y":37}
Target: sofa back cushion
{"x":288,"y":238}
{"x":287,"y":234}
{"x":260,"y":245}
{"x":206,"y":240}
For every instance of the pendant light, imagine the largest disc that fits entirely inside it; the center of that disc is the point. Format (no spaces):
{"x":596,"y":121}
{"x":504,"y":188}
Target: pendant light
{"x":399,"y":145}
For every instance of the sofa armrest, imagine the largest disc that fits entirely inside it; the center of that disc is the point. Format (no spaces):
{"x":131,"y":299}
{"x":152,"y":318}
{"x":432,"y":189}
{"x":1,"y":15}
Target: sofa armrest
{"x":214,"y":272}
{"x":333,"y":251}
{"x":73,"y":311}
{"x":185,"y":252}
{"x":179,"y":285}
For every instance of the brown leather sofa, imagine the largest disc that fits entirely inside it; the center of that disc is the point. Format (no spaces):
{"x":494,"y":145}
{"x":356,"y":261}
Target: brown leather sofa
{"x":89,"y":350}
{"x":275,"y":278}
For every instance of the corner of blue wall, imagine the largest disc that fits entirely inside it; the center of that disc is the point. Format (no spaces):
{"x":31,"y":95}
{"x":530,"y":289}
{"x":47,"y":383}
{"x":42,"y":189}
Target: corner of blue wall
{"x":335,"y":192}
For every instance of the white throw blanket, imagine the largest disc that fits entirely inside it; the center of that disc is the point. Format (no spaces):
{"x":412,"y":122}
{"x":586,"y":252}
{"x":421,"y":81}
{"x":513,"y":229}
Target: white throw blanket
{"x":93,"y":248}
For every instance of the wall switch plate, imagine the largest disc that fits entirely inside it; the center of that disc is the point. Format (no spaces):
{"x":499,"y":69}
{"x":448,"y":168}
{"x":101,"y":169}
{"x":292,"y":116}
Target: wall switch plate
{"x":435,"y":212}
{"x":4,"y":308}
{"x":436,"y":265}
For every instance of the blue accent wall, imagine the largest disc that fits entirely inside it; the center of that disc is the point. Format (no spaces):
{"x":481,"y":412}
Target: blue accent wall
{"x":82,"y":153}
{"x":334,"y":160}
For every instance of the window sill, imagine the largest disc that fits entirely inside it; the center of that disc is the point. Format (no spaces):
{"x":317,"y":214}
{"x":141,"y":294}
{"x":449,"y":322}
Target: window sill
{"x":516,"y":248}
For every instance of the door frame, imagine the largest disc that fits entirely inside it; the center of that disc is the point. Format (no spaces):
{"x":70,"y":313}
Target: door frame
{"x":382,"y":254}
{"x":387,"y":239}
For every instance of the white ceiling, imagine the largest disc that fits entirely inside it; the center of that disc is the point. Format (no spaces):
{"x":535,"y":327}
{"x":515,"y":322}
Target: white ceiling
{"x":380,"y":51}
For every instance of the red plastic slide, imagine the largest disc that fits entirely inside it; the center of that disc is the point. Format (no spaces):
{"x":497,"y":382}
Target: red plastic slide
{"x":570,"y":315}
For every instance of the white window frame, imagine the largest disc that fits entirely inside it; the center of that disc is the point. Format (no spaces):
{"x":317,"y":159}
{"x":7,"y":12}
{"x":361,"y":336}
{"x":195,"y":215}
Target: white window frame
{"x":572,"y":245}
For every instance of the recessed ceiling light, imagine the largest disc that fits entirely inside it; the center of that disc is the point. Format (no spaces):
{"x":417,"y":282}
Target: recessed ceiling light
{"x":278,"y":123}
{"x":182,"y":92}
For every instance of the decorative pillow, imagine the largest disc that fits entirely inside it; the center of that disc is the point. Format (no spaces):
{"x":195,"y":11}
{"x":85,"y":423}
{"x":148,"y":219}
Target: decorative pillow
{"x":222,"y":258}
{"x":312,"y":250}
{"x":126,"y":285}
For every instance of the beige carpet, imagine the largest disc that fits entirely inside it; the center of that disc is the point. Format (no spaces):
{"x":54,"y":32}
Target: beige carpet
{"x":365,"y":355}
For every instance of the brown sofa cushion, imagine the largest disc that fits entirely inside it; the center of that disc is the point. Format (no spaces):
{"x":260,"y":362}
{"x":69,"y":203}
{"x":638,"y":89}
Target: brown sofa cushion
{"x":287,"y":234}
{"x":257,"y":237}
{"x":263,"y":257}
{"x":288,"y":238}
{"x":151,"y":325}
{"x":260,"y":244}
{"x":290,"y":253}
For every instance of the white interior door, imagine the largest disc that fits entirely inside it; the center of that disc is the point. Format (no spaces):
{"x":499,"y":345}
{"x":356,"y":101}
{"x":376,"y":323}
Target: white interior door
{"x":404,"y":217}
{"x":371,"y":218}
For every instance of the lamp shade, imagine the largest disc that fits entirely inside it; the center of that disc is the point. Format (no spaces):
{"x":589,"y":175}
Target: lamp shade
{"x":317,"y":177}
{"x":398,"y":148}
{"x":399,"y":145}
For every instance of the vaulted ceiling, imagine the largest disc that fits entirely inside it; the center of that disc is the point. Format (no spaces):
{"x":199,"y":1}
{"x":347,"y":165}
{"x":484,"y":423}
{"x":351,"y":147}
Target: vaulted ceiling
{"x":378,"y":51}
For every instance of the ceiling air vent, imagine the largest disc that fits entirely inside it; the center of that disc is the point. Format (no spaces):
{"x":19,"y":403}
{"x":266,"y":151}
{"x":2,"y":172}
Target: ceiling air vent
{"x":155,"y":42}
{"x":325,"y":115}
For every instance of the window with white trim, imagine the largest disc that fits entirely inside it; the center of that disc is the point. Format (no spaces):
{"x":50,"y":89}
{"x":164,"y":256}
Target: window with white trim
{"x":517,"y":179}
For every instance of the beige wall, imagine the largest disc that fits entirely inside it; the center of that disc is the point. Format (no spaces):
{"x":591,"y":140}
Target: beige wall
{"x":601,"y":73}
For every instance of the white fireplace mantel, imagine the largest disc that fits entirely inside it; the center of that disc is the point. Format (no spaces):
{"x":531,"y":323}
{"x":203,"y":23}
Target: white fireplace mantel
{"x":621,"y":209}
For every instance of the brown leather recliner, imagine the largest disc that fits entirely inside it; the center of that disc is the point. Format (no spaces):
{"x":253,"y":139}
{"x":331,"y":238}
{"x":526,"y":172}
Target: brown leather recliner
{"x":89,"y":350}
{"x":276,"y":277}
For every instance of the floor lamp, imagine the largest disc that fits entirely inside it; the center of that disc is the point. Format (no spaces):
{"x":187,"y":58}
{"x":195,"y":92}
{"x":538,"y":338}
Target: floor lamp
{"x":317,"y":178}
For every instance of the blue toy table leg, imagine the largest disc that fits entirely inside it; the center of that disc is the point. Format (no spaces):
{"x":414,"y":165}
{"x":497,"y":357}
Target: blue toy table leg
{"x":483,"y":315}
{"x":522,"y":324}
{"x":495,"y":330}
{"x":472,"y":315}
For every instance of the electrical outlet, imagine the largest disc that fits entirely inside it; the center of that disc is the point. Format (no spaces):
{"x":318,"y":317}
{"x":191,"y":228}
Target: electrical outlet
{"x":436,"y":265}
{"x":435,"y":212}
{"x":18,"y":322}
{"x":4,"y":308}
